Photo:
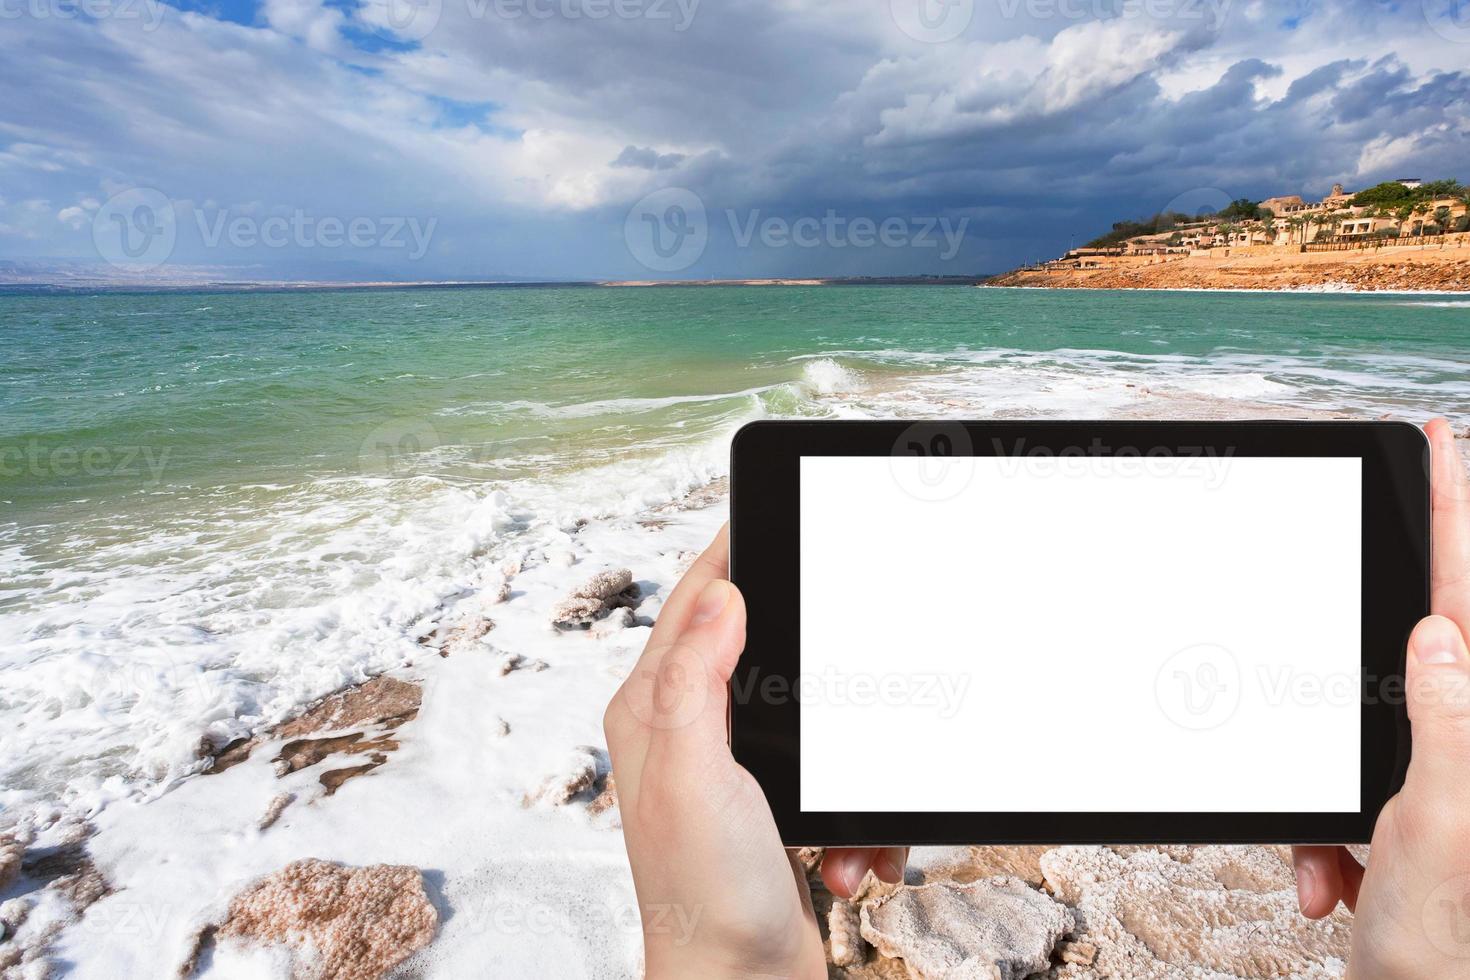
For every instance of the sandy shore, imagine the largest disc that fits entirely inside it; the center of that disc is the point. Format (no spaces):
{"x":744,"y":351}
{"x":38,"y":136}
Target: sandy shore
{"x":1409,"y":268}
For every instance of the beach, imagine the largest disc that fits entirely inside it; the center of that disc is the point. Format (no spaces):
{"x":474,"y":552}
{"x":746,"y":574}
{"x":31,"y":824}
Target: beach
{"x":288,"y":578}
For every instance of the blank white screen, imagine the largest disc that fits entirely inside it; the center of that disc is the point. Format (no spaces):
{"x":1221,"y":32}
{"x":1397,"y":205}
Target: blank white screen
{"x":1080,"y":634}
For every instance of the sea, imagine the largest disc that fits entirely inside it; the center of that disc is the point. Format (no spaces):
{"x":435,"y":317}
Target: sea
{"x":216,"y":506}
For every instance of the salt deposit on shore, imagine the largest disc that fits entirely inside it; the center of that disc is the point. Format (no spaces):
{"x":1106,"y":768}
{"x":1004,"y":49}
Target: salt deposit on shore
{"x":473,"y":771}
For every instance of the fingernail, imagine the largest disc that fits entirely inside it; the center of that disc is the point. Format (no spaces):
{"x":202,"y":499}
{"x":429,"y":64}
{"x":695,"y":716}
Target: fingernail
{"x":889,"y":866}
{"x":1306,"y":886}
{"x":1437,"y":640}
{"x":711,"y":602}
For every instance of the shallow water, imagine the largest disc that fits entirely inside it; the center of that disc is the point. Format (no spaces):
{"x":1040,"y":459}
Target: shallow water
{"x":219,"y":505}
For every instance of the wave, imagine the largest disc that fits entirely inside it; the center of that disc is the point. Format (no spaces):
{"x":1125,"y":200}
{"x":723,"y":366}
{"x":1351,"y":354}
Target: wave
{"x":252,"y":599}
{"x":826,"y":377}
{"x":606,"y":406}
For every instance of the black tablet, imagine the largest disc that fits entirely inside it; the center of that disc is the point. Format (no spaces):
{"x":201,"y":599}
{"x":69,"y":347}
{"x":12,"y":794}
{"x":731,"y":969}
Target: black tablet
{"x":1076,"y":632}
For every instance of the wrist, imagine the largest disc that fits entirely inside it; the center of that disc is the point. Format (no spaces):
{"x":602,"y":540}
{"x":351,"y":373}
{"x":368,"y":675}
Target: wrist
{"x":664,"y":962}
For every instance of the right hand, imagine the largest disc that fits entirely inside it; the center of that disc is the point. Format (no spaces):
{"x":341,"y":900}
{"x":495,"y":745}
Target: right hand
{"x":1412,"y":904}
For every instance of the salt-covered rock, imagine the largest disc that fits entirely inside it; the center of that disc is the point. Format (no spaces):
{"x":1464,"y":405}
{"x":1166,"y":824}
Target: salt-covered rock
{"x":614,"y":622}
{"x":606,"y":590}
{"x":339,"y":923}
{"x":966,"y":863}
{"x":845,"y":944}
{"x":273,"y":810}
{"x":1166,"y":911}
{"x":998,"y":928}
{"x":606,"y":799}
{"x":13,"y":914}
{"x":585,"y":769}
{"x":11,"y":852}
{"x":382,"y":700}
{"x":466,"y":634}
{"x":511,"y":662}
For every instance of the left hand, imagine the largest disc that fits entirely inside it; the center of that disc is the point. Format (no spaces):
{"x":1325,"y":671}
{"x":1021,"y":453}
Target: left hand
{"x":718,"y":894}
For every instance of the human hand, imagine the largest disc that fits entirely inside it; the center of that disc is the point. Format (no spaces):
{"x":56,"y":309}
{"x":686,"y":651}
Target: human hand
{"x":1412,"y":905}
{"x":718,"y":894}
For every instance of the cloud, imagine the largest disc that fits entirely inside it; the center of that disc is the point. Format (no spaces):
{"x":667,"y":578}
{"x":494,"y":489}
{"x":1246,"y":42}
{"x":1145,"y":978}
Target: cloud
{"x":647,"y":159}
{"x":73,"y":216}
{"x":530,"y":137}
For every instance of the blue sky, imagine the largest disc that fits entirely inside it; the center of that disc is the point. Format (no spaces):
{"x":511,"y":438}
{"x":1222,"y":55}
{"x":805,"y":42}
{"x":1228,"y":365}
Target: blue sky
{"x":434,"y":139}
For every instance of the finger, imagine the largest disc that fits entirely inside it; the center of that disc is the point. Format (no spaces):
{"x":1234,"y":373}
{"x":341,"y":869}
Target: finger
{"x":1352,"y":878}
{"x":843,"y":868}
{"x":1438,"y":690}
{"x":715,"y":628}
{"x":713,"y":563}
{"x":1450,"y":507}
{"x":1318,"y":879}
{"x":680,"y":691}
{"x":667,"y":685}
{"x":888,"y":864}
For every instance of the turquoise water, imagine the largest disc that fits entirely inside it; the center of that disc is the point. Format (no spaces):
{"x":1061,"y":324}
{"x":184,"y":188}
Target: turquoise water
{"x":259,"y":496}
{"x":224,"y":388}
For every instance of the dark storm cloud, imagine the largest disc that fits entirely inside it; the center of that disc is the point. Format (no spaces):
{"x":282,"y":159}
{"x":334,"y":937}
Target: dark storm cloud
{"x":1039,"y":123}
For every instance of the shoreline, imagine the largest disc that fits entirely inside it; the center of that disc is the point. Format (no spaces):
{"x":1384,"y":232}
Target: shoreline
{"x":500,"y":715}
{"x":1408,"y":269}
{"x":1236,"y":290}
{"x":163,"y":285}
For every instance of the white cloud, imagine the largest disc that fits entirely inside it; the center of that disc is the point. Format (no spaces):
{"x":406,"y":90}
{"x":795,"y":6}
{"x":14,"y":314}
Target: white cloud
{"x":507,"y":129}
{"x":74,"y":216}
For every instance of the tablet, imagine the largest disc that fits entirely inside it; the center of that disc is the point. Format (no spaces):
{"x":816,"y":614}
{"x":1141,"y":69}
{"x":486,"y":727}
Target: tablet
{"x":1076,"y":632}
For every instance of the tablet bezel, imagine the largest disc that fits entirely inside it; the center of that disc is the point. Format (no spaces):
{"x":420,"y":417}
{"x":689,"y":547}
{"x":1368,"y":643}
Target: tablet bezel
{"x":765,"y":563}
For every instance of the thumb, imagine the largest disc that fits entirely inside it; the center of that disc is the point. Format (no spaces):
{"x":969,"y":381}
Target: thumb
{"x":716,"y":628}
{"x":1438,"y":688}
{"x":679,"y":686}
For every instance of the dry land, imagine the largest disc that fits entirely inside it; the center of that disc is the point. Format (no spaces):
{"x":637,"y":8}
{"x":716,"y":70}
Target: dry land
{"x":1431,"y":268}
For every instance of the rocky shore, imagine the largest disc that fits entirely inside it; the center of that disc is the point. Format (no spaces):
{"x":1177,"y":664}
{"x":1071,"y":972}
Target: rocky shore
{"x":457,"y":817}
{"x":1401,"y":268}
{"x":433,"y":820}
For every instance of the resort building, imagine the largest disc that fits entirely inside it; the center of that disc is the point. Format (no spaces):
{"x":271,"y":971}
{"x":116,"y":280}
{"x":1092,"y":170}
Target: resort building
{"x":1290,"y":221}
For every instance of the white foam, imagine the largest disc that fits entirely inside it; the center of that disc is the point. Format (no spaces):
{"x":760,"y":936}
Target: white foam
{"x":608,"y":406}
{"x":231,"y":615}
{"x":826,"y":377}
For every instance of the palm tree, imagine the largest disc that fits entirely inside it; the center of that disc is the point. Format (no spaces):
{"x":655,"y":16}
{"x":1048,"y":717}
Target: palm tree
{"x":1441,"y":219}
{"x":1402,"y":214}
{"x":1421,"y":209}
